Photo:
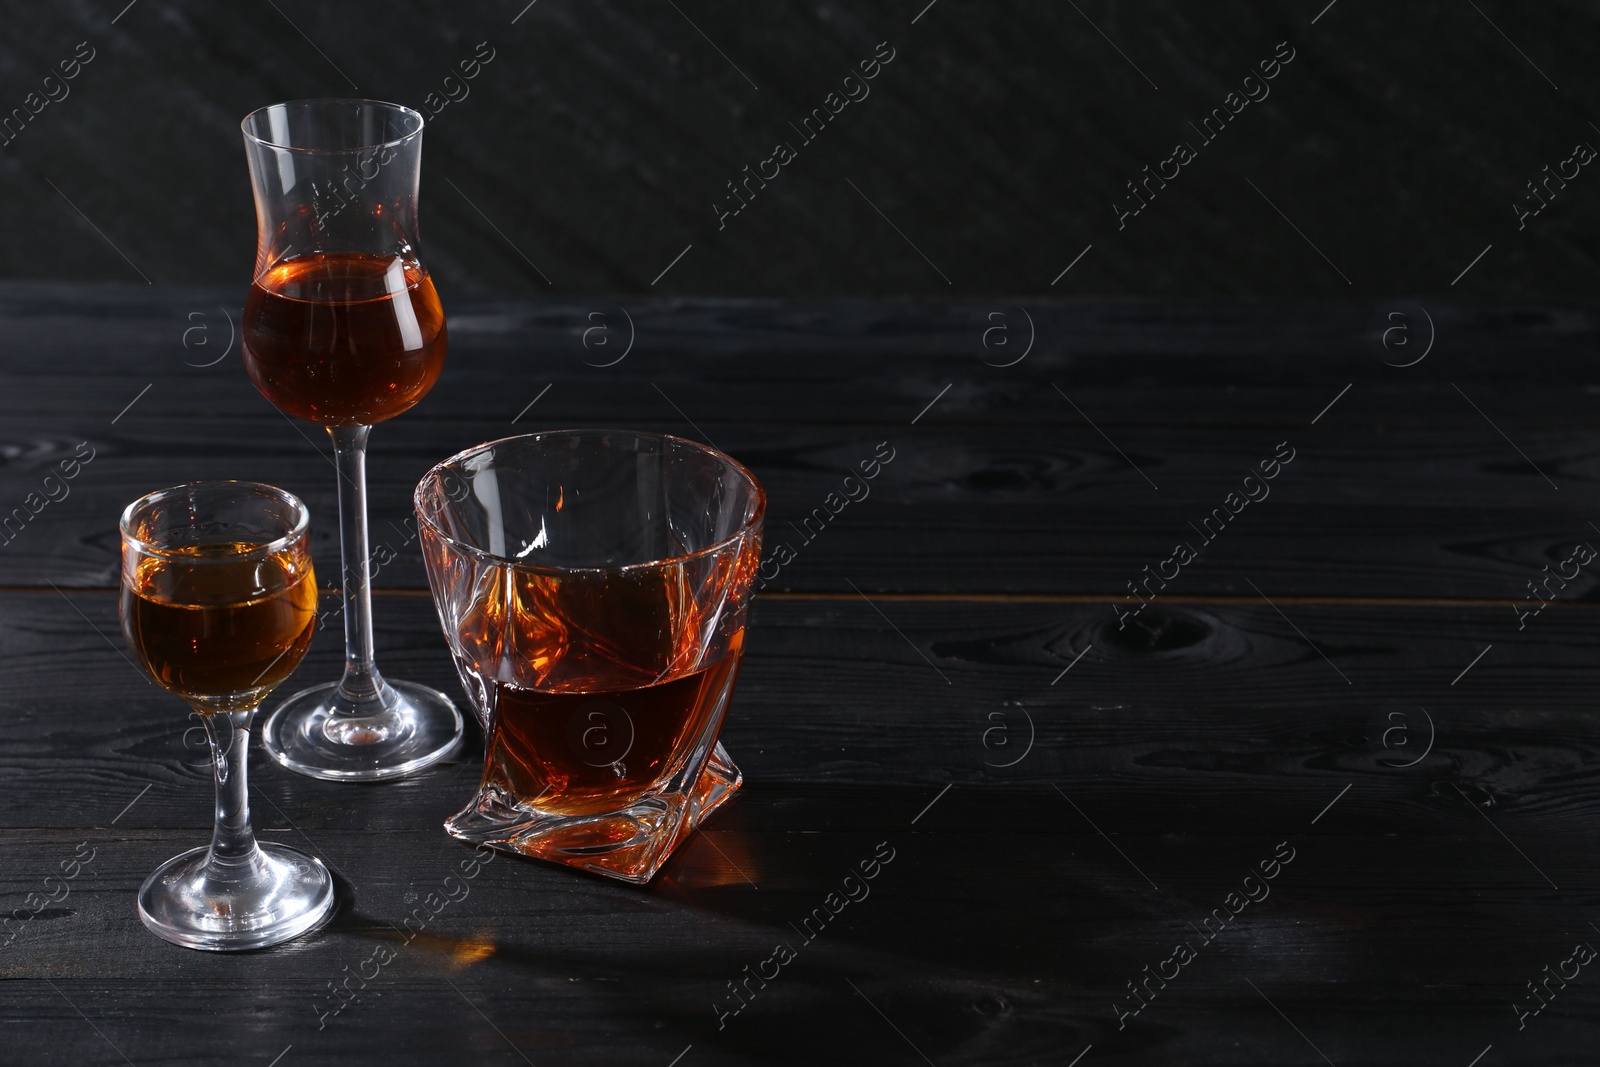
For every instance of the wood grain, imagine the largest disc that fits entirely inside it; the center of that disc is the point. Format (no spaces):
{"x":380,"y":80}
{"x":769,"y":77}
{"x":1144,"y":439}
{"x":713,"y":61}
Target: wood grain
{"x":1193,"y":792}
{"x":1343,"y":671}
{"x":1001,"y":486}
{"x":1210,"y":715}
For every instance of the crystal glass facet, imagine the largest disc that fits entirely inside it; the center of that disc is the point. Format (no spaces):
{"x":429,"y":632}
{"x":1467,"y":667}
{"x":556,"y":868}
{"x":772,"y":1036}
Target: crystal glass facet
{"x":219,"y":602}
{"x":342,"y":327}
{"x":594,"y":586}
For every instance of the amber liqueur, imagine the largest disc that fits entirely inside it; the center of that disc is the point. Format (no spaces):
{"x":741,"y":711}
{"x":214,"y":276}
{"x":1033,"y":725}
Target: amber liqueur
{"x":208,"y":625}
{"x":602,"y":686}
{"x":344,"y":339}
{"x":581,"y":753}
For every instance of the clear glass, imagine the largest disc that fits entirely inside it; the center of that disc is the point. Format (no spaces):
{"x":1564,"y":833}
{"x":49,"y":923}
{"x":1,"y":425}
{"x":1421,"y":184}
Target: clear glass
{"x":343,"y":327}
{"x":594,"y":586}
{"x":219,"y":602}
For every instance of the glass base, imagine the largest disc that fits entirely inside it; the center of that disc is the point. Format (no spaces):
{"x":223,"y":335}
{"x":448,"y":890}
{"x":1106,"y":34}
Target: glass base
{"x":630,"y":844}
{"x":283,"y":895}
{"x":318,"y":733}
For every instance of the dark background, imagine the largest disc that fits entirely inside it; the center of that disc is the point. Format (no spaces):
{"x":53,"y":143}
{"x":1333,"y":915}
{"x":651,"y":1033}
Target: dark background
{"x":590,"y":150}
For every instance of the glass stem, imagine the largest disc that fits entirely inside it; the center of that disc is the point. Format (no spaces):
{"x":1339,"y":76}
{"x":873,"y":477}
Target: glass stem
{"x":234,"y":855}
{"x":361,"y":682}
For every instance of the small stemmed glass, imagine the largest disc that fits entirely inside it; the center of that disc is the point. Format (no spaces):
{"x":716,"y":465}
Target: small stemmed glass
{"x":218,"y":604}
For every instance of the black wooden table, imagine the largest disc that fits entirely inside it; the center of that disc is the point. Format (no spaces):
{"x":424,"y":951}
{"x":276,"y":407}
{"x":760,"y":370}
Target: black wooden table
{"x":1161,"y":760}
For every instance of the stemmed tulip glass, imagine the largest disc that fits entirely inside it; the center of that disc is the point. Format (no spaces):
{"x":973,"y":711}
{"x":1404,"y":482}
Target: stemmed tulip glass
{"x":342,"y":327}
{"x":218,"y":603}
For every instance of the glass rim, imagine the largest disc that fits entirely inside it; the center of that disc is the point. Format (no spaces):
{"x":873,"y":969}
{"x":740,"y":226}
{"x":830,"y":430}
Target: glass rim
{"x":756,"y":514}
{"x":297,"y":532}
{"x":329,"y":101}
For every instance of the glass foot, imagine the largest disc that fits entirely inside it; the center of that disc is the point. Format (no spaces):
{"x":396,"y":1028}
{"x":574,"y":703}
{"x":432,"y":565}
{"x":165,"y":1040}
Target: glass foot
{"x":406,"y":728}
{"x":630,"y":844}
{"x":282,"y":895}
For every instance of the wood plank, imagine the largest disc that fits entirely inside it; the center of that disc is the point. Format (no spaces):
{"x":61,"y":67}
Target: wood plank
{"x":569,"y":965}
{"x":805,"y":392}
{"x":1028,"y":489}
{"x":80,"y":351}
{"x":1047,"y":508}
{"x":1217,"y":715}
